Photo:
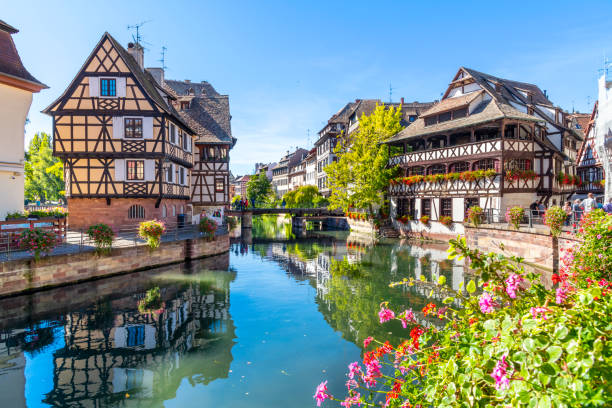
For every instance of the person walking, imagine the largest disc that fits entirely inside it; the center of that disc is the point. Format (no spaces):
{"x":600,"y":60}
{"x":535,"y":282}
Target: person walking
{"x":589,"y":203}
{"x":577,"y":212}
{"x":608,"y":206}
{"x":568,"y":210}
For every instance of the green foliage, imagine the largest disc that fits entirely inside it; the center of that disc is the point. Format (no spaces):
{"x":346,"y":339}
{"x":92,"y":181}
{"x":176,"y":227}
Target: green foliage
{"x":151,"y":231}
{"x":102,"y":235}
{"x":304,"y":197}
{"x":360,"y":176}
{"x":345,"y":268}
{"x":37,"y":241}
{"x":507,"y":343}
{"x":554,"y":217}
{"x":259,"y":189}
{"x":17,"y":215}
{"x":236,"y":198}
{"x":44,"y":174}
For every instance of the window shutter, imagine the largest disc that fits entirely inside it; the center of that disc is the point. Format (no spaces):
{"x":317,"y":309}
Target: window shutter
{"x":121,"y":87}
{"x":149,"y":170}
{"x":147,"y":127}
{"x":118,"y":124}
{"x":94,"y":86}
{"x":119,"y":170}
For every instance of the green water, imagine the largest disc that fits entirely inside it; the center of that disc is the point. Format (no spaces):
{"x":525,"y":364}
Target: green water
{"x":260,"y":326}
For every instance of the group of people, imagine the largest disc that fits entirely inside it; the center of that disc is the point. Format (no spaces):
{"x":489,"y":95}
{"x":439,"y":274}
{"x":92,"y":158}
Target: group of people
{"x":243,"y":204}
{"x":578,"y":208}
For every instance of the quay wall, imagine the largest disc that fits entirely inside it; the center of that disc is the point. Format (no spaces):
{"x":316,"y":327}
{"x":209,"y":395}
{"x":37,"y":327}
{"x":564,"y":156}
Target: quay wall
{"x":27,"y":275}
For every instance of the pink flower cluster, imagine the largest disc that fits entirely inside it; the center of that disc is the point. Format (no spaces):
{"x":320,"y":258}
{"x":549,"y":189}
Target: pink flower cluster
{"x":407,"y":317}
{"x":385,"y":314}
{"x":486,"y":303}
{"x":321,"y":393}
{"x":499,"y":374}
{"x":539,"y":312}
{"x":561,"y":295}
{"x":512,"y":284}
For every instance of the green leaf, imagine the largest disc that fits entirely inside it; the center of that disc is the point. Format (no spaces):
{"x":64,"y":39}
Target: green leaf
{"x":561,"y":332}
{"x":544,"y":402}
{"x":548,"y":369}
{"x":471,"y":286}
{"x":448,"y":300}
{"x":441,"y":280}
{"x":554,"y":353}
{"x":529,"y":324}
{"x":529,"y":345}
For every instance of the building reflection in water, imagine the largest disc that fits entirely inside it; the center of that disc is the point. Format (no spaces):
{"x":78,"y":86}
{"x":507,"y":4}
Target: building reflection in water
{"x":110,"y":353}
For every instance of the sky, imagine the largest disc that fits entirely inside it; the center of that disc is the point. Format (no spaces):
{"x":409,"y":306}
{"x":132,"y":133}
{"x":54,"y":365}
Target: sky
{"x":288,"y":66}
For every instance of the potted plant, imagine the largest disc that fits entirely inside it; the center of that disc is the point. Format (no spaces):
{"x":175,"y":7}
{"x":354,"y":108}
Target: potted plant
{"x":554,"y":218}
{"x":151,"y":231}
{"x":514,"y":216}
{"x":446,"y":220}
{"x":102,"y":235}
{"x":474,"y":215}
{"x":208,"y":227}
{"x":37,"y":241}
{"x":424,"y":219}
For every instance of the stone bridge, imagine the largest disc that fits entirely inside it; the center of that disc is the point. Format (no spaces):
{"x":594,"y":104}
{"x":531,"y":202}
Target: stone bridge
{"x":298,"y":215}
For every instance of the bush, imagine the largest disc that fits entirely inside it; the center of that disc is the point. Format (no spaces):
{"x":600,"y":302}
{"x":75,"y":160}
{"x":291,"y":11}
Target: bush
{"x":554,"y":218}
{"x":208,"y":227}
{"x":424,"y":219}
{"x":152,"y":231}
{"x":474,"y":215}
{"x":37,"y":241}
{"x":514,"y":216}
{"x":446,"y":220}
{"x":102,"y":236}
{"x":508,"y":340}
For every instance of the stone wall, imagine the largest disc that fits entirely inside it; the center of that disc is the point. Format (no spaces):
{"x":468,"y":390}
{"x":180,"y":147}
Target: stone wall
{"x":84,"y":212}
{"x":361,"y":227}
{"x":25,"y":275}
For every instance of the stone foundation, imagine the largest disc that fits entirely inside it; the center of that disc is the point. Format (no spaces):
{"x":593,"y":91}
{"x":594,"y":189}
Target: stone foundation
{"x":27,"y":275}
{"x":84,"y":212}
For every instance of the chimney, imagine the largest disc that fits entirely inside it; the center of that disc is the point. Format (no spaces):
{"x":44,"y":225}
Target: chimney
{"x":402,"y":100}
{"x":188,"y":81}
{"x":137,"y":52}
{"x":158,"y":74}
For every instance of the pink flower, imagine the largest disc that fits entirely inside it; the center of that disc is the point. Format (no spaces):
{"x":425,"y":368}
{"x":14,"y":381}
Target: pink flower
{"x":499,"y":374}
{"x":352,"y":400}
{"x":512,"y":284}
{"x":385,"y":314}
{"x":373,"y":369}
{"x":354,"y":368}
{"x":407,"y":317}
{"x":538,"y":312}
{"x":321,"y":393}
{"x":561,"y":295}
{"x":367,"y":342}
{"x":486,"y":303}
{"x":351,"y":384}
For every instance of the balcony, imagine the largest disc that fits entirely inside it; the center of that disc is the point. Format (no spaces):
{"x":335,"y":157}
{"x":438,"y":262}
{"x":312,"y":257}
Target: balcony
{"x":458,"y":152}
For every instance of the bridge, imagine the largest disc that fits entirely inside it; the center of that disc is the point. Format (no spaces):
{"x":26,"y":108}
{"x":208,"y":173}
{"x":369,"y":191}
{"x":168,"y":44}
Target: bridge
{"x":298,"y":215}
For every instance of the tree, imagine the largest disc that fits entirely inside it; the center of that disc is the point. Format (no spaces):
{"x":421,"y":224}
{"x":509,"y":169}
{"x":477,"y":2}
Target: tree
{"x":304,"y":197}
{"x":361,"y":174}
{"x":44,"y":174}
{"x":259,"y":188}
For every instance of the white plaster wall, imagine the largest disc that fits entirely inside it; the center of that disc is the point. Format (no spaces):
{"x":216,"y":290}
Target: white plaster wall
{"x":458,"y":209}
{"x":433,"y":227}
{"x":14,"y":106}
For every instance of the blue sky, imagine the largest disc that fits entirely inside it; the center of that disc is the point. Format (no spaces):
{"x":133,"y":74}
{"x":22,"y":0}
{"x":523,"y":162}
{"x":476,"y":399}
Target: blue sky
{"x":288,"y":66}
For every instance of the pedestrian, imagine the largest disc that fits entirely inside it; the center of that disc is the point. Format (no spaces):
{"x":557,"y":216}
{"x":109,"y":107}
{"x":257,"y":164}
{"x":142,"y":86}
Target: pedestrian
{"x":577,"y":211}
{"x":589,"y":203}
{"x":568,"y":210}
{"x":534,"y":209}
{"x":608,"y":206}
{"x":542,"y":210}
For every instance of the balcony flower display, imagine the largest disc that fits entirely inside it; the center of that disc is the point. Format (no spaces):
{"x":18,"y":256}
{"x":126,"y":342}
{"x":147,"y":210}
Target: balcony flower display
{"x":514,"y":174}
{"x":404,"y":219}
{"x":568,"y":179}
{"x":424,"y":219}
{"x":439,"y":178}
{"x":446,"y":220}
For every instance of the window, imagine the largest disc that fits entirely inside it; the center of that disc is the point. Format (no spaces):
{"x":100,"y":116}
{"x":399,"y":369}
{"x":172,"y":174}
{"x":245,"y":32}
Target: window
{"x":518,"y":164}
{"x":426,"y":207}
{"x":136,"y":212}
{"x":133,"y":128}
{"x":174,"y":210}
{"x":181,"y":175}
{"x":172,"y":133}
{"x":416,"y":171}
{"x":169,"y":174}
{"x":184,"y":105}
{"x":459,"y":167}
{"x":108,"y":87}
{"x":219,"y":185}
{"x":485,"y":164}
{"x":164,"y":211}
{"x":460,"y":113}
{"x":135,"y":336}
{"x":437,"y":169}
{"x":444,"y":117}
{"x":446,"y":207}
{"x":135,"y":169}
{"x":470,"y":202}
{"x":431,"y":120}
{"x":412,"y":118}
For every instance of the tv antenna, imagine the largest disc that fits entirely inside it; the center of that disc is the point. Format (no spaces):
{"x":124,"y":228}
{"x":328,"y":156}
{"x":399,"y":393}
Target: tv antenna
{"x":137,"y":39}
{"x":390,"y":93}
{"x":308,"y":133}
{"x":163,"y":58}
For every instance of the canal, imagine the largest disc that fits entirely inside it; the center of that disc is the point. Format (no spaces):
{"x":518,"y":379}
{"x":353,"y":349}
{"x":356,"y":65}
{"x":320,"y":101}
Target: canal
{"x":260,"y":326}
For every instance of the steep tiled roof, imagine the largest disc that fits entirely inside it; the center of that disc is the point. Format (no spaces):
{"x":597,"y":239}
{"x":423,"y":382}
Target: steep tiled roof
{"x":10,"y":62}
{"x":208,"y":111}
{"x":452,"y":103}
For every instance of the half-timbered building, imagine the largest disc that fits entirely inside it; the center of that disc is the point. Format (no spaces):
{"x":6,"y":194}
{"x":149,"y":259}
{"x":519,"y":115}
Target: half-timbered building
{"x":127,"y":153}
{"x":207,"y":112}
{"x":589,"y":167}
{"x":484,"y":123}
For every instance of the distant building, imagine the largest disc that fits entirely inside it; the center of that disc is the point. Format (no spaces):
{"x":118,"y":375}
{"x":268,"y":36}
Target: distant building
{"x":280,"y":173}
{"x":311,"y":167}
{"x":241,"y":185}
{"x":297,"y":175}
{"x":603,"y":131}
{"x":16,"y":88}
{"x":346,"y":121}
{"x":589,"y":167}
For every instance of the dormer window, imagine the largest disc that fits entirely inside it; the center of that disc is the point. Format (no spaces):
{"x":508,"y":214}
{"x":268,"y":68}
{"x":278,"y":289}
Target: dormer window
{"x":108,"y":87}
{"x":184,"y":105}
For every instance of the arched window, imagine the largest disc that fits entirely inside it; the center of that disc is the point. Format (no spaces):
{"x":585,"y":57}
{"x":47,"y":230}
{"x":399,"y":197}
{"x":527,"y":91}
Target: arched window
{"x":486,"y":164}
{"x":174,"y":210}
{"x":459,"y":167}
{"x":436,"y":169}
{"x":164,"y":211}
{"x":416,"y":171}
{"x":182,"y":212}
{"x":136,"y":212}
